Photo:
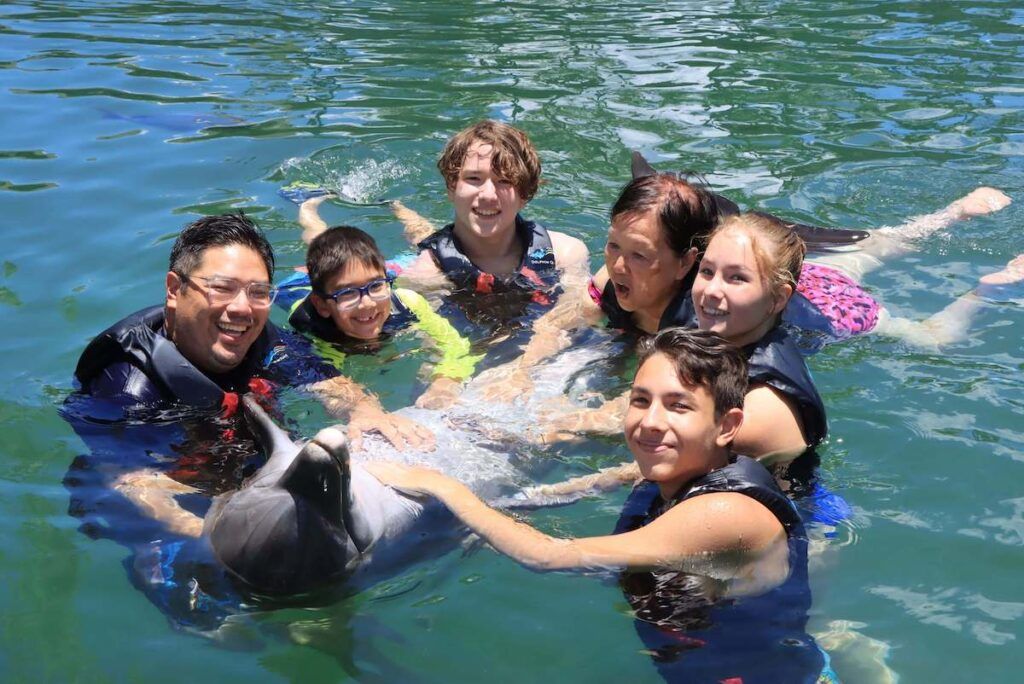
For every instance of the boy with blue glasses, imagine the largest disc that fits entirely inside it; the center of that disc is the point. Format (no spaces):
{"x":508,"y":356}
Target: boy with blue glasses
{"x":347,"y":299}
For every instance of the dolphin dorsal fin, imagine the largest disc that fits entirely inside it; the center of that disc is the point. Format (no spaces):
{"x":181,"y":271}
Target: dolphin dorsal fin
{"x":641,"y":167}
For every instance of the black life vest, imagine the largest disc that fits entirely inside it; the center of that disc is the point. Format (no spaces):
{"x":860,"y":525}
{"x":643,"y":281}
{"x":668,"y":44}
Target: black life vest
{"x":306,"y":319}
{"x":775,"y":360}
{"x":696,"y":637}
{"x":743,"y":475}
{"x":536,"y":275}
{"x":139,"y":341}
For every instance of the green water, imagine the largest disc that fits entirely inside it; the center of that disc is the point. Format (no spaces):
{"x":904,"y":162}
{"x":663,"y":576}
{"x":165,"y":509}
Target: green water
{"x":125,"y":120}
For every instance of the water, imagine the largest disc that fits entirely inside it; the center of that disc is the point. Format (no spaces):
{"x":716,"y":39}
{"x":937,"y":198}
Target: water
{"x":125,"y":120}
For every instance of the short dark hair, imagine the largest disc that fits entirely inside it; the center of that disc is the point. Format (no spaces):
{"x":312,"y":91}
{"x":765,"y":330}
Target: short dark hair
{"x":702,"y":359}
{"x":334,"y":249}
{"x":514,"y":158}
{"x":684,"y":206}
{"x":222,"y":230}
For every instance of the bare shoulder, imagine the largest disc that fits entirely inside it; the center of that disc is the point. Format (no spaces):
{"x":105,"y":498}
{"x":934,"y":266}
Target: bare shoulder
{"x":772,"y":429}
{"x":724,"y":522}
{"x":601,"y":278}
{"x":569,"y":250}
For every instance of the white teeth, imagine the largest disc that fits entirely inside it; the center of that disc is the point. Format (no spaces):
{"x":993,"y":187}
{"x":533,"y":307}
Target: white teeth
{"x":488,"y":214}
{"x":232,"y":329}
{"x":713,"y":312}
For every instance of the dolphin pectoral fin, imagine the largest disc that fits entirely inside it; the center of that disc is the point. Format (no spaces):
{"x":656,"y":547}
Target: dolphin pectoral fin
{"x":640,"y":167}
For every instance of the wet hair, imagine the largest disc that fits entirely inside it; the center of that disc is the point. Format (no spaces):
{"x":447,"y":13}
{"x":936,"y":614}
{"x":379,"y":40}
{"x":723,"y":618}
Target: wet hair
{"x":222,"y":230}
{"x":335,"y":249}
{"x":685,"y":208}
{"x":514,"y":157}
{"x":702,"y":359}
{"x":778,"y":249}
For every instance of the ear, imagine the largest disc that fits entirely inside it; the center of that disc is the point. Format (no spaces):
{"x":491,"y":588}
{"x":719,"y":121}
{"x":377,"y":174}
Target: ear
{"x":174,"y":284}
{"x":782,"y":297}
{"x":729,"y":425}
{"x":322,"y":306}
{"x":686,"y":263}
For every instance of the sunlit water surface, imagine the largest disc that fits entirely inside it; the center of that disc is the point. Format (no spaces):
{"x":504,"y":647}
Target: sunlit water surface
{"x":125,"y":120}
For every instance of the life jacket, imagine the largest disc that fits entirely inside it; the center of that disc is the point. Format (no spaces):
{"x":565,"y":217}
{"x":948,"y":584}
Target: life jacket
{"x":775,"y":360}
{"x":745,"y":476}
{"x":694,"y":637}
{"x":139,"y":341}
{"x":536,"y":275}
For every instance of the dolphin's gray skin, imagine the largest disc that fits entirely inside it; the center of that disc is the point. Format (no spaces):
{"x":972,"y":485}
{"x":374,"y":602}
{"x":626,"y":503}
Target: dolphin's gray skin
{"x":311,"y":517}
{"x":818,"y":239}
{"x":308,"y":517}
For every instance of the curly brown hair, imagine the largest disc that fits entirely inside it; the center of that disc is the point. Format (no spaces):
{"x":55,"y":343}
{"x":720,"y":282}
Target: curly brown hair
{"x":514,"y":157}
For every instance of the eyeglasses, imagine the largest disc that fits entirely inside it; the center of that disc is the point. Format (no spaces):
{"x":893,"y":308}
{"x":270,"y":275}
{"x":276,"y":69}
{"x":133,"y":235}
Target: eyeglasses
{"x":349,"y":297}
{"x":220,"y":290}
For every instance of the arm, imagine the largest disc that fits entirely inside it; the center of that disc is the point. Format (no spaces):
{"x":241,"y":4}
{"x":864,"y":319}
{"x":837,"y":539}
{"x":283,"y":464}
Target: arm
{"x":416,"y":227}
{"x":342,"y":396}
{"x":155,"y":495}
{"x":573,"y":310}
{"x":604,"y":480}
{"x":772,"y":429}
{"x":457,"y":363}
{"x":706,"y":534}
{"x":605,"y":419}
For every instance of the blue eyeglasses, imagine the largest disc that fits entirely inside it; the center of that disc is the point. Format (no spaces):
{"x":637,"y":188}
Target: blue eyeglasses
{"x":349,"y":297}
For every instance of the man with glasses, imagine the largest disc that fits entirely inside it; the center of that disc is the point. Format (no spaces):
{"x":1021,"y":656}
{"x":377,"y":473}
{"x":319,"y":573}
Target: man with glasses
{"x":211,"y":340}
{"x":210,"y":337}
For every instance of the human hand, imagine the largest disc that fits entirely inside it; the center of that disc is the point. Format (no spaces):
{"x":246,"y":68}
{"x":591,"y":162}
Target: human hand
{"x":398,"y":430}
{"x":441,"y":394}
{"x":983,"y":200}
{"x":408,"y":479}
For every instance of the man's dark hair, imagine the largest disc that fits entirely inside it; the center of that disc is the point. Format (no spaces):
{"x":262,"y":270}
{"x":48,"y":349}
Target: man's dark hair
{"x":683,"y":205}
{"x":222,"y":230}
{"x":334,"y":249}
{"x":702,"y":359}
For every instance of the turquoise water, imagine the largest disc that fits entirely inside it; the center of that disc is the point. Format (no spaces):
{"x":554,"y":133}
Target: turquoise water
{"x":125,"y":120}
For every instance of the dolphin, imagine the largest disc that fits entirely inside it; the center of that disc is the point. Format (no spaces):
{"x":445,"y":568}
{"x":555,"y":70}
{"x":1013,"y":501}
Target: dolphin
{"x":312,"y":517}
{"x":816,"y":238}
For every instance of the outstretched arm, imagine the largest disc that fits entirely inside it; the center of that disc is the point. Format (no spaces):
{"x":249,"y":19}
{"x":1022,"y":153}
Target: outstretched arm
{"x":714,"y":534}
{"x":572,"y":424}
{"x":155,"y":495}
{"x":346,"y":398}
{"x":573,"y":310}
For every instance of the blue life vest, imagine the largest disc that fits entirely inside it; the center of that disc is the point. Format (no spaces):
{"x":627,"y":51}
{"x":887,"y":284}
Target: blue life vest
{"x":752,"y":639}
